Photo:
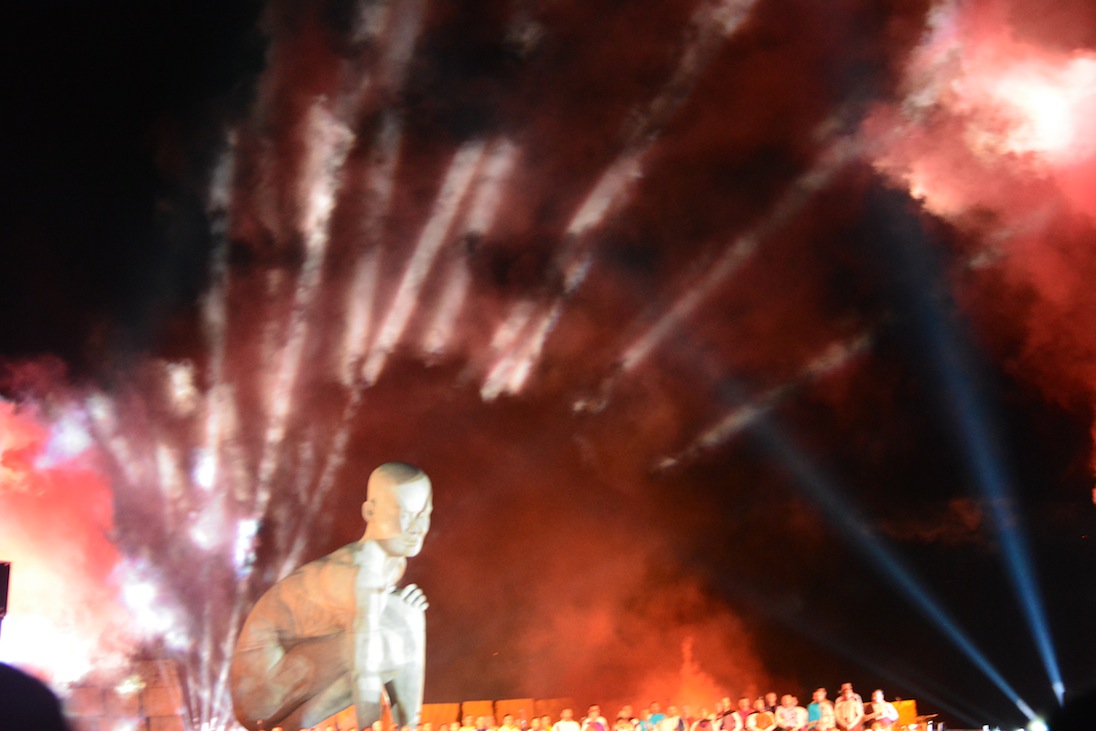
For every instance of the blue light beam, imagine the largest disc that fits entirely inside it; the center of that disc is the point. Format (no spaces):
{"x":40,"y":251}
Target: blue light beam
{"x":950,"y":359}
{"x":916,"y":683}
{"x":855,"y":530}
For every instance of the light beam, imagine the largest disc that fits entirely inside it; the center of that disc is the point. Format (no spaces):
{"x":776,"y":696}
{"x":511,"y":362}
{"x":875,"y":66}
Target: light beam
{"x":854,"y":529}
{"x":741,"y":418}
{"x":739,"y":251}
{"x":950,"y":359}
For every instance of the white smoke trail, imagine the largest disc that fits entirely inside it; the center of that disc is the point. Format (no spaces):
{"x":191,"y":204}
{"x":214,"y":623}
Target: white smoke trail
{"x":440,"y":330}
{"x":709,"y":28}
{"x":331,"y":143}
{"x":834,"y":357}
{"x":740,"y":250}
{"x":448,"y":203}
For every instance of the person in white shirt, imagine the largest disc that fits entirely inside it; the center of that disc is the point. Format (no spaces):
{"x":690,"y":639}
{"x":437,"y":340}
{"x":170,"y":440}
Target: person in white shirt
{"x":791,"y":716}
{"x":566,"y":721}
{"x":672,"y":721}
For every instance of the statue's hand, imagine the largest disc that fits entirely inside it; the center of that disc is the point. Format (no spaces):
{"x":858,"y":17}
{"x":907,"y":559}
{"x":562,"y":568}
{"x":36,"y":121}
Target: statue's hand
{"x":412,"y":596}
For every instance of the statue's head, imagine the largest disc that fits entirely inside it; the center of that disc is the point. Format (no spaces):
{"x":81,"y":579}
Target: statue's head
{"x":397,"y":508}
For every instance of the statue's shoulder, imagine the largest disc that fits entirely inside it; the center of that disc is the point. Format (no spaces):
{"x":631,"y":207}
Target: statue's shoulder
{"x":340,"y":556}
{"x":345,"y":556}
{"x":340,"y":561}
{"x":316,"y":590}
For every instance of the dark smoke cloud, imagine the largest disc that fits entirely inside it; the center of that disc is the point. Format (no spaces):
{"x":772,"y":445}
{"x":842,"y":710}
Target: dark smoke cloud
{"x":959,"y":522}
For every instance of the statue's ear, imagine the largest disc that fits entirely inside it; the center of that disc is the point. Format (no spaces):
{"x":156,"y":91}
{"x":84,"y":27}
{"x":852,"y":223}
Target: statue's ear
{"x":368,"y":508}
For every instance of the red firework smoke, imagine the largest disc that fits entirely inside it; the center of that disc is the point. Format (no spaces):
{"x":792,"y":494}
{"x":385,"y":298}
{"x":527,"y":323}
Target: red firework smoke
{"x":996,"y":134}
{"x":64,"y":616}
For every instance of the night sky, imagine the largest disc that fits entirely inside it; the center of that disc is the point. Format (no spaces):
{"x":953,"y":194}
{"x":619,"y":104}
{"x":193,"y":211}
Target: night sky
{"x":746,"y":343}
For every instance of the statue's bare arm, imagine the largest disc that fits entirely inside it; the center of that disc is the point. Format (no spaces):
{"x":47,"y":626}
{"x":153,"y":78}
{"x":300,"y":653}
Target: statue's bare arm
{"x":282,"y":671}
{"x":375,"y":598}
{"x":405,"y":690}
{"x":305,"y":678}
{"x":366,"y":682}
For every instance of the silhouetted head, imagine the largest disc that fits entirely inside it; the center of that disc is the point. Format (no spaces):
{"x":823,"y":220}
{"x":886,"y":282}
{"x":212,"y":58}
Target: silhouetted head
{"x":27,"y":703}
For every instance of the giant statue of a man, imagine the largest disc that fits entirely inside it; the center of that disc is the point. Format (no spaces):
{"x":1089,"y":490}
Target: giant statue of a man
{"x":336,"y":632}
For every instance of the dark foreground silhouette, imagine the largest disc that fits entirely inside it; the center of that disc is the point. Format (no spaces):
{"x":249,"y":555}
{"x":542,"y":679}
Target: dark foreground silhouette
{"x":26,"y":704}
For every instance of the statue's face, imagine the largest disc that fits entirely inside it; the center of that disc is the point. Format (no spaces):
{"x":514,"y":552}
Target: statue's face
{"x":399,"y":517}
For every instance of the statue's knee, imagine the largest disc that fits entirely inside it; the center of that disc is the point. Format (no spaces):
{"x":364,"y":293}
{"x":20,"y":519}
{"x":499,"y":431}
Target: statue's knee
{"x":264,"y":691}
{"x":294,"y":673}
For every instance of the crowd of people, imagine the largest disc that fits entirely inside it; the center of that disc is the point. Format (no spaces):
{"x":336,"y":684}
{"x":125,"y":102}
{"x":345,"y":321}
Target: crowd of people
{"x":765,"y":713}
